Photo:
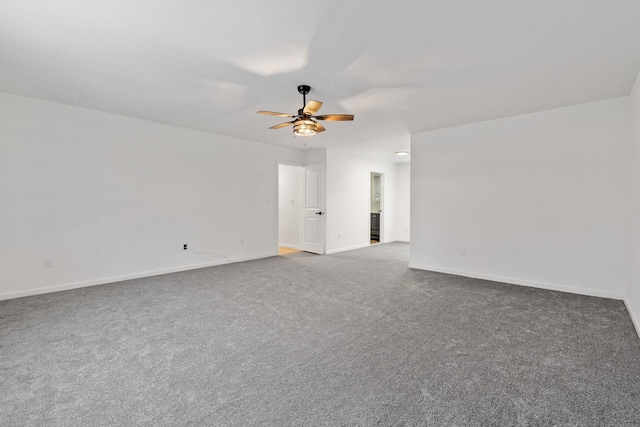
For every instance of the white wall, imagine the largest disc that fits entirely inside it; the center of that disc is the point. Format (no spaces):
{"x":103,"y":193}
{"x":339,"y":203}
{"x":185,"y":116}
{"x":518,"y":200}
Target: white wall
{"x":111,"y":197}
{"x":538,"y":199}
{"x":348,"y":200}
{"x":403,"y":196}
{"x":633,"y":289}
{"x":289,"y":203}
{"x":315,"y":157}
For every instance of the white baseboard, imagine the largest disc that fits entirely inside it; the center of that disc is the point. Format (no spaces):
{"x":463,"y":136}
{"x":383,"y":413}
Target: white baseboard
{"x":252,"y":257}
{"x":350,"y":248}
{"x":522,"y":282}
{"x":395,"y":240}
{"x":634,"y":319}
{"x":365,"y":245}
{"x":104,"y":281}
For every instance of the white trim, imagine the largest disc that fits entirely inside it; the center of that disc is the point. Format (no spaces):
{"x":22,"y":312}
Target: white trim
{"x":288,"y":163}
{"x":634,"y":320}
{"x":277,"y":198}
{"x":522,"y":282}
{"x":382,"y":208}
{"x":252,"y":257}
{"x":350,"y":248}
{"x":96,"y":282}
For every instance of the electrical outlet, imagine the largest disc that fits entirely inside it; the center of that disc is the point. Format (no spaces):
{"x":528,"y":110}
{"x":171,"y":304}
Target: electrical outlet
{"x":241,"y":242}
{"x":48,"y":262}
{"x":463,"y":252}
{"x":339,"y":236}
{"x":184,"y":247}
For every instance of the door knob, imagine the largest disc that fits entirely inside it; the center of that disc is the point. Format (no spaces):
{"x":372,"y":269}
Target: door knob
{"x":319,"y":213}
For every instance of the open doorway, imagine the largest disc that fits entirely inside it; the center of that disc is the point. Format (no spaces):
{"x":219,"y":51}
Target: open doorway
{"x":376,"y":205}
{"x":289,"y":201}
{"x":301,"y":208}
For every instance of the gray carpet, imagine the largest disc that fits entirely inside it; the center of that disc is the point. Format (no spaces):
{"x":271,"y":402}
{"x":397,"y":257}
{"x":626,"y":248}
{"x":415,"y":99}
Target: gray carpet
{"x":354,"y":338}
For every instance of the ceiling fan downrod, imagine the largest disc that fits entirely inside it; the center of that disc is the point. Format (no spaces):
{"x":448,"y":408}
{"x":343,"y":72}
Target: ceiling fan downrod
{"x":303,"y":90}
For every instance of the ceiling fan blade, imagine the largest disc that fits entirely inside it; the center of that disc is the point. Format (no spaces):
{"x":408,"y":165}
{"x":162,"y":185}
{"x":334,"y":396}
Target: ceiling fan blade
{"x":281,"y":125}
{"x":335,"y":117}
{"x":273,"y":113}
{"x":319,"y":128}
{"x":312,"y":107}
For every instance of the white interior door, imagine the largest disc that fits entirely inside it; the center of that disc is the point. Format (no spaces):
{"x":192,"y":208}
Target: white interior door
{"x":313,"y":209}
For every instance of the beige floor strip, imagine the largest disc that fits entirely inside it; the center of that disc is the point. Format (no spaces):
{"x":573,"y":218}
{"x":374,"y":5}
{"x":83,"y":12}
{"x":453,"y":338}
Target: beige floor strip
{"x":282,"y":250}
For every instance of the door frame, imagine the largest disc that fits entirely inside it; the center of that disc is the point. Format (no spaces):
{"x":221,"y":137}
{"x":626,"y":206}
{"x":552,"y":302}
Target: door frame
{"x":278,"y":177}
{"x":382,"y":198}
{"x":323,"y":196}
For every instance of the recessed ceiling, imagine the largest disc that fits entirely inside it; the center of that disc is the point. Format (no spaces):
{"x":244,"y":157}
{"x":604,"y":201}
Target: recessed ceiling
{"x":399,"y":67}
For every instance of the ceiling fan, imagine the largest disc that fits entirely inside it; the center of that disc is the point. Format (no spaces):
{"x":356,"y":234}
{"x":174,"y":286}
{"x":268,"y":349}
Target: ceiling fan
{"x":304,"y":123}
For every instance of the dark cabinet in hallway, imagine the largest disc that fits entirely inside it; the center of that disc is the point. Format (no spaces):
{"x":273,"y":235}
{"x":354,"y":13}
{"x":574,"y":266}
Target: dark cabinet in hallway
{"x":375,"y":226}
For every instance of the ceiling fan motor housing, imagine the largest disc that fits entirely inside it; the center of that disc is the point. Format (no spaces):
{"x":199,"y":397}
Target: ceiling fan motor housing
{"x":304,"y":89}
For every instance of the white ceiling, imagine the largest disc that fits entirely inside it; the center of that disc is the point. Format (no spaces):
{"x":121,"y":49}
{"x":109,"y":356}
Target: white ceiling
{"x":399,"y":67}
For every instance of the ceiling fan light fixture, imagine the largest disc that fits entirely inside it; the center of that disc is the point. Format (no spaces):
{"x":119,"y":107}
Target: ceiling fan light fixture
{"x":304,"y":127}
